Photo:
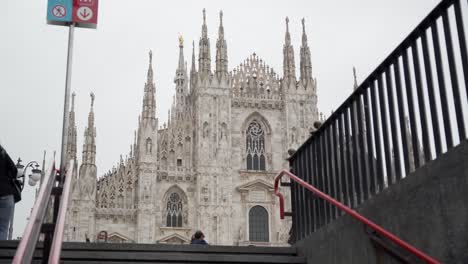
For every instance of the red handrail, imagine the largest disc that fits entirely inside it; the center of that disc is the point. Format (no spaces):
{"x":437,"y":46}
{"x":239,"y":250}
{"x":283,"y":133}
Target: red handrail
{"x":56,"y":248}
{"x":351,"y":212}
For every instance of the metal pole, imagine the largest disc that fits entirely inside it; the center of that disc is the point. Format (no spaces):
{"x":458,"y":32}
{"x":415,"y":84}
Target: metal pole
{"x":66,"y":105}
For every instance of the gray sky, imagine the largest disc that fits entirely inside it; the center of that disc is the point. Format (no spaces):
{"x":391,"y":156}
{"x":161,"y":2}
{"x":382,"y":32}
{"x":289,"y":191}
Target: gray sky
{"x":112,"y":61}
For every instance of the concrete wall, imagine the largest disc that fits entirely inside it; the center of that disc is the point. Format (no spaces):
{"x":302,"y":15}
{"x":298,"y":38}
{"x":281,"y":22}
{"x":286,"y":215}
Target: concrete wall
{"x":428,"y":209}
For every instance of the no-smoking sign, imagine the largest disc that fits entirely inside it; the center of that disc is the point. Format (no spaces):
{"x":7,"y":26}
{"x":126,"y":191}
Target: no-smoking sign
{"x":59,"y":11}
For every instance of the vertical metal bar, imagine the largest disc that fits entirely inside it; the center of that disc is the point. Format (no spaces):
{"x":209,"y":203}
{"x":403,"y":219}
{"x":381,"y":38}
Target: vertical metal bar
{"x":331,"y":174}
{"x":300,"y":173}
{"x":421,"y":103}
{"x":371,"y":154}
{"x":363,"y":150}
{"x":453,"y":76}
{"x":385,"y":131}
{"x":462,"y":41}
{"x":375,"y":120}
{"x":297,"y":200}
{"x":326,"y":182}
{"x":411,"y":110}
{"x":401,"y":118}
{"x":66,"y":105}
{"x":300,"y":201}
{"x":441,"y":81}
{"x":310,"y":209}
{"x":336,"y":162}
{"x":319,"y":179}
{"x":294,"y":187}
{"x":350,"y":182}
{"x":317,"y":204}
{"x":307,"y":212}
{"x":431,"y":94}
{"x":355,"y":153}
{"x":310,"y":166}
{"x":303,"y":198}
{"x":323,"y":177}
{"x":393,"y":127}
{"x":343,"y":170}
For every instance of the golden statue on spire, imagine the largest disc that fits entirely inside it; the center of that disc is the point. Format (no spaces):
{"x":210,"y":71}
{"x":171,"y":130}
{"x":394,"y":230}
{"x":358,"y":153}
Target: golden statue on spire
{"x":181,"y":40}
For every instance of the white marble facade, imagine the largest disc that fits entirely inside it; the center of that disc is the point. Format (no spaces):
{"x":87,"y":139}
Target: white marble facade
{"x":211,"y":166}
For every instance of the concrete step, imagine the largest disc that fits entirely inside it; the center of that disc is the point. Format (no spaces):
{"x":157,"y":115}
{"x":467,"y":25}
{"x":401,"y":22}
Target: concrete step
{"x":74,"y":252}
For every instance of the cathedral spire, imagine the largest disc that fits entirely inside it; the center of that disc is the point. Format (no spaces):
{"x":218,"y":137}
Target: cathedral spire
{"x":221,"y":49}
{"x":149,"y":102}
{"x":287,"y":37}
{"x":71,"y":144}
{"x":289,"y":67}
{"x":149,"y":77}
{"x":355,"y":78}
{"x":89,"y":145}
{"x":193,"y":68}
{"x":305,"y":63}
{"x":181,"y":72}
{"x":204,"y":57}
{"x":181,"y":78}
{"x":304,"y":35}
{"x":181,"y":53}
{"x":221,"y":28}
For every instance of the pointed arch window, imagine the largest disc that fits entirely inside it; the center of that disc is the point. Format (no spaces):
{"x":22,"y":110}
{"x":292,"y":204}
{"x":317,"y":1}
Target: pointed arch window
{"x":258,"y":224}
{"x":255,"y":146}
{"x":174,"y":210}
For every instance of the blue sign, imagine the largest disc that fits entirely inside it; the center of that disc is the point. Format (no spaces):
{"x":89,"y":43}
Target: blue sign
{"x":59,"y":11}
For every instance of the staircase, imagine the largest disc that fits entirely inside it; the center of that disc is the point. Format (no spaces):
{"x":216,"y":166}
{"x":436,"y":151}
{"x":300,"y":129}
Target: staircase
{"x":73,"y":252}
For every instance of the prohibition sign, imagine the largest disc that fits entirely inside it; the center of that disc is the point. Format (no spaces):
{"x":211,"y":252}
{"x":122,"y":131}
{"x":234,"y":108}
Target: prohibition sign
{"x":59,"y":11}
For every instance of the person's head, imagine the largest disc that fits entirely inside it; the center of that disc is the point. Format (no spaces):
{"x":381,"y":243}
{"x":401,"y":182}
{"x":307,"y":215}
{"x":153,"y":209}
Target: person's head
{"x":199,"y":235}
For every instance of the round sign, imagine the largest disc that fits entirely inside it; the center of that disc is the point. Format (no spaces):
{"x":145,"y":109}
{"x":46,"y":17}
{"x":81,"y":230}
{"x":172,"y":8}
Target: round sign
{"x":84,"y":13}
{"x":59,"y":11}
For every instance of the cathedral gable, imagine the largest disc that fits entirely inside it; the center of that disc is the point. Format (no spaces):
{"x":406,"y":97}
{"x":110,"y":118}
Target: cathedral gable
{"x":174,"y":239}
{"x":255,"y":185}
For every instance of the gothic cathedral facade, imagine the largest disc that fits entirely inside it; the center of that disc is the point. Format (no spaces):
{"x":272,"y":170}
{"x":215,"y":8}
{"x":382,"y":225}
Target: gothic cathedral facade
{"x":211,"y":166}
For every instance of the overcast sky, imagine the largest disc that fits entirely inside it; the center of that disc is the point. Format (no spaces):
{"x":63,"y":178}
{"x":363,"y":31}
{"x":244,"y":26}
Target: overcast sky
{"x":112,"y":61}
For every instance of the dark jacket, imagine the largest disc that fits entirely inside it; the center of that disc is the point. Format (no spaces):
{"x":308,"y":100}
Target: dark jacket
{"x":199,"y":242}
{"x":8,"y":173}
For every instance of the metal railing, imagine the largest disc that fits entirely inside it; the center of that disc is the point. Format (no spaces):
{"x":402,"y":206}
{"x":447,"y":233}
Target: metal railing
{"x":57,"y":240}
{"x":396,"y":121}
{"x":349,"y":211}
{"x":52,"y":185}
{"x":27,"y":246}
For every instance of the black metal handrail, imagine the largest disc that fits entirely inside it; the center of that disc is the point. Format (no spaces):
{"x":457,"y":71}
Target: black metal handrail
{"x":396,"y":121}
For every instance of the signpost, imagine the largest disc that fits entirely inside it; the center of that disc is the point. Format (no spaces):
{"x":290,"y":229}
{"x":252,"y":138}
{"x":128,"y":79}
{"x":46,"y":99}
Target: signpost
{"x":71,"y":13}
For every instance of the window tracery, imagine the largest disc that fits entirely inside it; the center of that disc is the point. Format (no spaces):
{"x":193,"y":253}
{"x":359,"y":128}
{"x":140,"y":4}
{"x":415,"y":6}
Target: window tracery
{"x":255,"y":146}
{"x":174,"y":210}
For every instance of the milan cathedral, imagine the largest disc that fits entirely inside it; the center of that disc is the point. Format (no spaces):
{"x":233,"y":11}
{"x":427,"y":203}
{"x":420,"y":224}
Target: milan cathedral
{"x":211,"y":166}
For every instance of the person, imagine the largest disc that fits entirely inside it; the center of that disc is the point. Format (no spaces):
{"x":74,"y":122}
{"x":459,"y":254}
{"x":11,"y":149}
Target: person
{"x":9,"y":194}
{"x":198,"y":238}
